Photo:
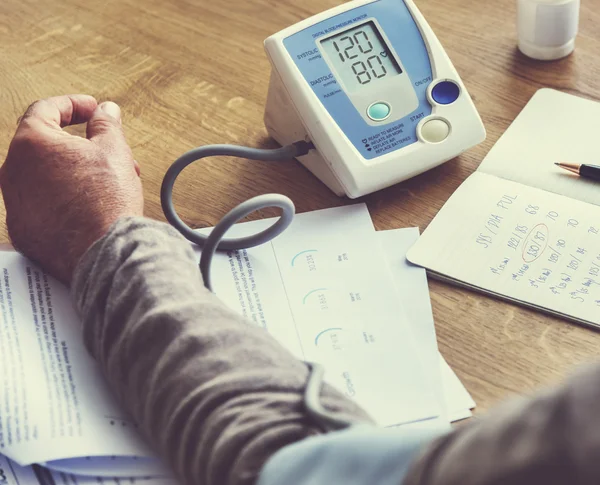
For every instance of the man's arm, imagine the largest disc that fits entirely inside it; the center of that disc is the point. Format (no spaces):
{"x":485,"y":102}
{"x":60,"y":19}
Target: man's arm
{"x":214,"y":394}
{"x":217,"y":395}
{"x":552,"y":439}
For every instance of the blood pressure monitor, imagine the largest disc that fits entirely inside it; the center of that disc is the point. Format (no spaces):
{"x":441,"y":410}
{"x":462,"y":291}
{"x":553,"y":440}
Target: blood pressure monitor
{"x":369,"y":84}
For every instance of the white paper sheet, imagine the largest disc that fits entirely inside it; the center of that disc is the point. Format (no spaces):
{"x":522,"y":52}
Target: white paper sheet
{"x":553,"y":127}
{"x":332,"y":300}
{"x":110,"y":466}
{"x":13,"y":474}
{"x":55,"y":403}
{"x":458,"y":400}
{"x":413,"y":292}
{"x":519,"y":242}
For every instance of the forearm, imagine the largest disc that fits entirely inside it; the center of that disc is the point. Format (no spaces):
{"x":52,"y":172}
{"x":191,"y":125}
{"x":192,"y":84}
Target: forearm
{"x":216,"y":395}
{"x":552,"y":439}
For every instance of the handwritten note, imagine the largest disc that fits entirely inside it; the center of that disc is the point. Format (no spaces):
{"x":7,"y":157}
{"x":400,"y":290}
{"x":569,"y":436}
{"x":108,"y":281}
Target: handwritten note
{"x":520,"y":242}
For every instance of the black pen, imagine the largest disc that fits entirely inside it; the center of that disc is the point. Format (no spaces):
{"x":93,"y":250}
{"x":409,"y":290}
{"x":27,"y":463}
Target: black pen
{"x":587,"y":171}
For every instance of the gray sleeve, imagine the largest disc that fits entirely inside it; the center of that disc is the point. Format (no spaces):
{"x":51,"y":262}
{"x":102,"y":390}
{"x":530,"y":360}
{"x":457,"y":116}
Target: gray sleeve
{"x":553,"y":439}
{"x":215,"y":395}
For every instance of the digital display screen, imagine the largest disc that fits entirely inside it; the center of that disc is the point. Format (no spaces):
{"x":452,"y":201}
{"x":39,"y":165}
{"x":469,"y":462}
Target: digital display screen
{"x":359,"y":56}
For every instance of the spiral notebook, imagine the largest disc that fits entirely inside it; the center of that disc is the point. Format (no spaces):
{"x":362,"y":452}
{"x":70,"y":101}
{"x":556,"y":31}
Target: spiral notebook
{"x":520,"y":228}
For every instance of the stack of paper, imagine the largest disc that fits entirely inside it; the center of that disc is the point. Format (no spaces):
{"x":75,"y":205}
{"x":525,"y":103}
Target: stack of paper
{"x":331,"y":289}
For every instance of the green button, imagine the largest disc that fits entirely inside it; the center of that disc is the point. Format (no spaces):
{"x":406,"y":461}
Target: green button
{"x":379,"y":111}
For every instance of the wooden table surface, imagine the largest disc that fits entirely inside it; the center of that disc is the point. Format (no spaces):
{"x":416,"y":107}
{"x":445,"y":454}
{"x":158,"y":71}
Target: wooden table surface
{"x":193,"y":72}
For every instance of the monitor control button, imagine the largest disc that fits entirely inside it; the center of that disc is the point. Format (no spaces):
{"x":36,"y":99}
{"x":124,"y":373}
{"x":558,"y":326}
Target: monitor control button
{"x":379,"y":111}
{"x":445,"y":92}
{"x":435,"y":131}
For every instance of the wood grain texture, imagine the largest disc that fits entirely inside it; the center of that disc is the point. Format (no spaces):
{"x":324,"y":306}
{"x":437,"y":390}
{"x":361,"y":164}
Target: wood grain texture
{"x":193,"y":72}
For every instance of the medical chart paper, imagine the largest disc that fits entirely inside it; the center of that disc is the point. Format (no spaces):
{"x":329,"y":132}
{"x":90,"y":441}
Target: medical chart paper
{"x":518,"y":242}
{"x":333,"y":301}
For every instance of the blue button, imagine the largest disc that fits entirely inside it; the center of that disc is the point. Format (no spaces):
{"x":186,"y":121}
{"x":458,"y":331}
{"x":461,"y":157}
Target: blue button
{"x":379,"y":111}
{"x":445,"y":92}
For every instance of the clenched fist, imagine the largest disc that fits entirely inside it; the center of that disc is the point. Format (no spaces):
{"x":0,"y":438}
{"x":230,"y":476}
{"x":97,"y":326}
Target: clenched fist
{"x":62,"y":192}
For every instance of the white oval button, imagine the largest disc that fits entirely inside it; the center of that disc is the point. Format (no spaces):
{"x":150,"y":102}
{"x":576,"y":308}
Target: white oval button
{"x":435,"y":131}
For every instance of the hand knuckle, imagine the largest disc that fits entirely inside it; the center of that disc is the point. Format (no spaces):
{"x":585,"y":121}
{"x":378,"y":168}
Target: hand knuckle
{"x":33,"y":107}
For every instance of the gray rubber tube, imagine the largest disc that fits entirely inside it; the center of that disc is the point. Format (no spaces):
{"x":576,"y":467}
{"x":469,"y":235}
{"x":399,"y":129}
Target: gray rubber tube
{"x":215,"y":240}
